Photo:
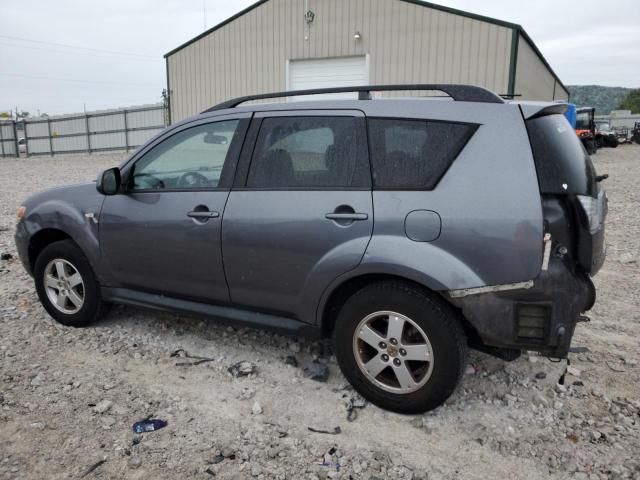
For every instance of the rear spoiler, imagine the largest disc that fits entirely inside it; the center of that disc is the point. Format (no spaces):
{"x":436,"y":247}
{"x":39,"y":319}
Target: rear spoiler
{"x":541,"y":109}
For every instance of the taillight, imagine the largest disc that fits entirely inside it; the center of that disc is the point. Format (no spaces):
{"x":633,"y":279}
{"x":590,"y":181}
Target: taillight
{"x":594,"y":209}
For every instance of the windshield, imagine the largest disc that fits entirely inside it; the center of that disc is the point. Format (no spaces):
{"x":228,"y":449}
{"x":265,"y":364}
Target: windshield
{"x":562,"y":163}
{"x":582,"y":121}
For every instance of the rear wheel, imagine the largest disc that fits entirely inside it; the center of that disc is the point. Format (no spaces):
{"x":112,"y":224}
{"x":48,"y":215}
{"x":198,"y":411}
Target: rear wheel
{"x":402,"y":348}
{"x":66,"y":285}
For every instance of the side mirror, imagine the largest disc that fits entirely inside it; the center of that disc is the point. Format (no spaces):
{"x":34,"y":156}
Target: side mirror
{"x":109,"y":181}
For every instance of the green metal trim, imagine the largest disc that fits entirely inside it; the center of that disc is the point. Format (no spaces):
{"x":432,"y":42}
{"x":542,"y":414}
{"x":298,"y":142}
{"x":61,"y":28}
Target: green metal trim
{"x":213,"y":29}
{"x":515,"y":42}
{"x":463,"y":13}
{"x":166,"y":61}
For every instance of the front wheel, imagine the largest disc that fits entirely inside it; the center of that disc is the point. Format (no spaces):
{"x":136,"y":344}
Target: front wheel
{"x":66,"y":285}
{"x":400,"y":347}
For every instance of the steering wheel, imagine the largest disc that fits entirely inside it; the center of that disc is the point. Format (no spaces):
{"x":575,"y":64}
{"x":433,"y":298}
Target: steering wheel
{"x":193,"y":179}
{"x":149,"y":180}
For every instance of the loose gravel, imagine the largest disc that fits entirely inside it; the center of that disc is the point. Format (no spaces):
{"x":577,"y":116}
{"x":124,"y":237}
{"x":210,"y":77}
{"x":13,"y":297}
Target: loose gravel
{"x":69,"y":397}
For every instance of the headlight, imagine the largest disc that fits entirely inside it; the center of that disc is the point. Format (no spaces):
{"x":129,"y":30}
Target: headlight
{"x":21,"y":213}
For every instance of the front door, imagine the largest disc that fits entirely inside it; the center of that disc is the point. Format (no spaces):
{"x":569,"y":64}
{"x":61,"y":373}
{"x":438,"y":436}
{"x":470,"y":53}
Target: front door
{"x":162,"y":234}
{"x":300,"y":213}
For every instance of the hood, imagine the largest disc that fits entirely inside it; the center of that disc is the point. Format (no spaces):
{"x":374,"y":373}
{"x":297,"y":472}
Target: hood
{"x":69,"y":193}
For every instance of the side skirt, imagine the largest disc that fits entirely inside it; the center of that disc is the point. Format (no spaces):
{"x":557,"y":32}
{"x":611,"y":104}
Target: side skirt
{"x":231,"y":315}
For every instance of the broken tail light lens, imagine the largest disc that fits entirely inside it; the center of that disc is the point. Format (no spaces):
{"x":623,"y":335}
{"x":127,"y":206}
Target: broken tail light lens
{"x":594,"y":209}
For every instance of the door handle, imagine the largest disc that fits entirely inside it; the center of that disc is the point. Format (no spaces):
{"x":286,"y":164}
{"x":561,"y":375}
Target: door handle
{"x":347,"y":216}
{"x":203,"y":214}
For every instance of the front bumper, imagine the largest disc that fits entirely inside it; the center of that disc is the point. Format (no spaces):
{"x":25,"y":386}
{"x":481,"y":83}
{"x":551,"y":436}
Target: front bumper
{"x":541,"y":318}
{"x":22,"y":245}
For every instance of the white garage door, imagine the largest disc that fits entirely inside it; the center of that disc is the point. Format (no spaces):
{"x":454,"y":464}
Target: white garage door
{"x":328,"y":73}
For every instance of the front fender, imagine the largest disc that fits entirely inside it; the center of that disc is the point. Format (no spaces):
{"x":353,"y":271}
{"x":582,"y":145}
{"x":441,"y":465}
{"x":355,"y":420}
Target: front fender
{"x":72,"y":210}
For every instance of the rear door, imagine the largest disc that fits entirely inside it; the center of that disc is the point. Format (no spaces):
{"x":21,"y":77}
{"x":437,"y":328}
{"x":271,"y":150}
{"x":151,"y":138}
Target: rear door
{"x":300,"y":213}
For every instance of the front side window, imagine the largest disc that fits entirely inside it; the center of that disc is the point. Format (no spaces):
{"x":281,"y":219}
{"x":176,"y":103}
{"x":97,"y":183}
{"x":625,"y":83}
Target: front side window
{"x":309,"y":152}
{"x":190,"y":159}
{"x":414,"y":154}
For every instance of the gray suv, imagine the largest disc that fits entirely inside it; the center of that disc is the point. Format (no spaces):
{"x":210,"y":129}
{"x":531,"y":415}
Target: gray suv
{"x":406,"y":229}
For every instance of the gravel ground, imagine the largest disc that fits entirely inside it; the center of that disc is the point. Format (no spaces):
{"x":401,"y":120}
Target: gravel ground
{"x":68,"y":397}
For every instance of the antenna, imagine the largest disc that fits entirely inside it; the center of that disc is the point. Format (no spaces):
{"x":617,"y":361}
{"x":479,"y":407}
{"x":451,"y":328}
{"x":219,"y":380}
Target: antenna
{"x":204,"y":14}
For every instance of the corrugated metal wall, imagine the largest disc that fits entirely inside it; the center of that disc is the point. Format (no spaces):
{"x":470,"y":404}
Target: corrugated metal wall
{"x":406,"y":43}
{"x":533,"y":80}
{"x":120,"y":129}
{"x":8,"y":140}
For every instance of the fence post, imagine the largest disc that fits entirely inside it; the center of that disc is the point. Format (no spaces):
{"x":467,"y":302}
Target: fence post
{"x":26,"y":137}
{"x":126,"y":131}
{"x":2,"y":140}
{"x":50,"y":139}
{"x":15,"y":139}
{"x":86,"y":126}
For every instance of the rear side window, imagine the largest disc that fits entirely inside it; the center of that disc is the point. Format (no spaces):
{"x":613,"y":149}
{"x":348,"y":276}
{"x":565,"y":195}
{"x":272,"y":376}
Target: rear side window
{"x":310,"y":152}
{"x":414,"y":154}
{"x":562,"y":163}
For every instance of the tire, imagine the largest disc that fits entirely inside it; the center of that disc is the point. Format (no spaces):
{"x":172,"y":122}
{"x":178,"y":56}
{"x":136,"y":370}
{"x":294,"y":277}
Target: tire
{"x":66,"y":257}
{"x":431,"y":382}
{"x":612,"y":142}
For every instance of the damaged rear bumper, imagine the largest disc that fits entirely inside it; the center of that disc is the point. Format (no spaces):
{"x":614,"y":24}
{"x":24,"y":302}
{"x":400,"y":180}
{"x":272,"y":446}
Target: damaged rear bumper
{"x":539,"y":315}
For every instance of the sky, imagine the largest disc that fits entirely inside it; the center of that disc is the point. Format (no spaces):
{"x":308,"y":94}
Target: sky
{"x":66,"y":56}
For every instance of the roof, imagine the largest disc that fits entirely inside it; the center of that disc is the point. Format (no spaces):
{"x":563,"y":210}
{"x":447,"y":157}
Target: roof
{"x":454,"y":11}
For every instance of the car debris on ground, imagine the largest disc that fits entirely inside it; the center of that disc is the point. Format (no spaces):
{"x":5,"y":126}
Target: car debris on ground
{"x":242,"y":369}
{"x":316,"y":370}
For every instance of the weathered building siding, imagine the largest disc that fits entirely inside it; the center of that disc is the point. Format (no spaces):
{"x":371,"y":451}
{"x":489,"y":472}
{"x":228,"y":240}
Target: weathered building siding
{"x":405,"y":43}
{"x":533,"y":80}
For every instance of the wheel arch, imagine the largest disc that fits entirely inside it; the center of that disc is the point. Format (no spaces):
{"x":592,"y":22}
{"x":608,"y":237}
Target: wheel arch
{"x":340,"y":293}
{"x":41,"y":239}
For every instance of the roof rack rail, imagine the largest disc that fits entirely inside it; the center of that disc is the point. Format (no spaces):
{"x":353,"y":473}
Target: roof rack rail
{"x":460,"y":93}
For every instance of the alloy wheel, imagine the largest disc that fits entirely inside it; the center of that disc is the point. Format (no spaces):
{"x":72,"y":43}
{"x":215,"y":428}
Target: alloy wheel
{"x":64,"y":286}
{"x":393,"y":352}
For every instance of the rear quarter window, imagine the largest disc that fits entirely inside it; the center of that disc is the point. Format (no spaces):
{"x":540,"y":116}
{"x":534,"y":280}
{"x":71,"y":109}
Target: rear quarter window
{"x":414,"y":154}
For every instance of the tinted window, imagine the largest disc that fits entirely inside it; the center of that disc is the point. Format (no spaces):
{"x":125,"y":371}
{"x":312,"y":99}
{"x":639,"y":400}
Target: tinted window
{"x":321,"y":152}
{"x":562,"y":163}
{"x":190,"y":159}
{"x":414,"y":154}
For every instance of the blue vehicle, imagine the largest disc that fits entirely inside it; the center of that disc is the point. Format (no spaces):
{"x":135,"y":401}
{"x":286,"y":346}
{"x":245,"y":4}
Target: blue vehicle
{"x":571,"y":114}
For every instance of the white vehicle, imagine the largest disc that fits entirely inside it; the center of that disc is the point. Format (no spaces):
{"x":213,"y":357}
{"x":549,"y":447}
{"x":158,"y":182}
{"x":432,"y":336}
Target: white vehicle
{"x":22,"y":145}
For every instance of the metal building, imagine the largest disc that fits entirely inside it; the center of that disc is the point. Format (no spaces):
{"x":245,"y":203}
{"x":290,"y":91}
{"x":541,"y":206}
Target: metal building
{"x":294,"y":44}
